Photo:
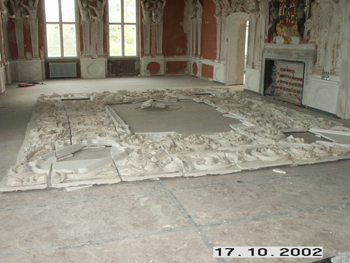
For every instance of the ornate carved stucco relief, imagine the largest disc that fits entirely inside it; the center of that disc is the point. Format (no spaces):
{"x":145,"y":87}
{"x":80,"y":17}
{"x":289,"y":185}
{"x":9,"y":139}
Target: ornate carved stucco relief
{"x":196,"y":27}
{"x":153,"y":18}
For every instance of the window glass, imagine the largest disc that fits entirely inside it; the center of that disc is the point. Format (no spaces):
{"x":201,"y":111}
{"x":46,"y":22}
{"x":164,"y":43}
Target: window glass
{"x":129,"y":11}
{"x":122,"y":28}
{"x":68,"y":11}
{"x":130,"y":40}
{"x":52,"y":11}
{"x":61,"y":28}
{"x":115,"y":11}
{"x":69,"y":42}
{"x":53,"y":40}
{"x":115,"y":40}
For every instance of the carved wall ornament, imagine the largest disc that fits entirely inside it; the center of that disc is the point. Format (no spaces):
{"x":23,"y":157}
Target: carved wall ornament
{"x":18,"y":18}
{"x":332,"y":39}
{"x":32,"y":10}
{"x":252,"y":5}
{"x":147,"y":8}
{"x":196,"y":28}
{"x":85,"y":13}
{"x":158,"y":18}
{"x":239,"y":5}
{"x":5,"y":16}
{"x":218,"y":9}
{"x":218,"y":17}
{"x":253,"y":8}
{"x":225,"y":9}
{"x":96,"y":15}
{"x":273,"y":20}
{"x":312,"y":23}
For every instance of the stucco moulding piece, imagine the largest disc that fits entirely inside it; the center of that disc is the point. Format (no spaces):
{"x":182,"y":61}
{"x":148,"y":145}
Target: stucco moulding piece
{"x":63,"y":126}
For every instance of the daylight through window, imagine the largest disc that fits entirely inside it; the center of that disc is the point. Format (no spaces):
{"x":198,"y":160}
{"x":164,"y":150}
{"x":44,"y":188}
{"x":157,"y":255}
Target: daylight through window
{"x":60,"y":28}
{"x":122,"y":28}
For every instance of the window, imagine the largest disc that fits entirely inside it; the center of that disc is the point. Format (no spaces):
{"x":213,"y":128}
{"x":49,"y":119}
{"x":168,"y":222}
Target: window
{"x":61,"y":28}
{"x":122,"y":28}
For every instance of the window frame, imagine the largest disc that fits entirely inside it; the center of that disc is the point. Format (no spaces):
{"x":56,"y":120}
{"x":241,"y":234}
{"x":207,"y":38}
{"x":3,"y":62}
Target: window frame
{"x":60,"y":23}
{"x":122,"y":24}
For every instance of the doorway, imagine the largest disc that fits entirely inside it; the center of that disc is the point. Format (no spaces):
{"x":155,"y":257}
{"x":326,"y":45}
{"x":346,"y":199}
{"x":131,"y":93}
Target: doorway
{"x":237,"y":43}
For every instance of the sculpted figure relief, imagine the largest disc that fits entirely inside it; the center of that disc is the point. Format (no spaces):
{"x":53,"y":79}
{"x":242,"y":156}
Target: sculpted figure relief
{"x":158,"y":12}
{"x":4,"y":10}
{"x":85,"y":13}
{"x":147,"y":7}
{"x":225,"y":9}
{"x":32,"y":9}
{"x":239,"y":5}
{"x":98,"y":11}
{"x":199,"y":13}
{"x":157,"y":17}
{"x":18,"y":12}
{"x":196,"y":28}
{"x":218,"y":9}
{"x":252,"y":5}
{"x":18,"y":18}
{"x":96,"y":15}
{"x":253,"y":9}
{"x":312,"y":24}
{"x":273,"y":19}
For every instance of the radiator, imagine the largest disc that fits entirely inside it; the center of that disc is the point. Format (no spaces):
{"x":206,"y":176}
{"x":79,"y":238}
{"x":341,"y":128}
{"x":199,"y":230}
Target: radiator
{"x":63,"y":70}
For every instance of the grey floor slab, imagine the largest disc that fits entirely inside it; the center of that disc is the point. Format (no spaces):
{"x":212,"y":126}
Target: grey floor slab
{"x":183,"y":246}
{"x":5,"y":164}
{"x":80,"y":223}
{"x":181,"y":117}
{"x":14,"y":122}
{"x":260,"y":175}
{"x":9,"y":149}
{"x":24,"y":200}
{"x":318,"y":228}
{"x":224,"y":202}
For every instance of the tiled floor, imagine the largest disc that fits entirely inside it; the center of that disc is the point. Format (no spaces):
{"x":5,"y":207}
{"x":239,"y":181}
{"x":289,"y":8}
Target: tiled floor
{"x":170,"y":220}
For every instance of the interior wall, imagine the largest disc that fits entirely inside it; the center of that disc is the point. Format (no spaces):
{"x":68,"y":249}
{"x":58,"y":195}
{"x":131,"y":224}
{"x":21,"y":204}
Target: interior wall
{"x":328,"y":22}
{"x":236,"y":35}
{"x":208,"y":47}
{"x":175,"y":38}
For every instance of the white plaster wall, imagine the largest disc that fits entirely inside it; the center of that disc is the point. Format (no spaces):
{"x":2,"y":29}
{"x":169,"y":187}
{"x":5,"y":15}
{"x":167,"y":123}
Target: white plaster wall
{"x":30,"y":70}
{"x":323,"y":95}
{"x":146,"y":60}
{"x":14,"y":70}
{"x":219,"y":72}
{"x":8,"y":72}
{"x":235,"y":48}
{"x":2,"y":79}
{"x":252,"y":80}
{"x":93,"y":68}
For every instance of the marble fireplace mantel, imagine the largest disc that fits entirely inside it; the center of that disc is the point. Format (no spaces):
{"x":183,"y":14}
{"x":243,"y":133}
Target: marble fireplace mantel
{"x":303,"y":53}
{"x":298,"y":47}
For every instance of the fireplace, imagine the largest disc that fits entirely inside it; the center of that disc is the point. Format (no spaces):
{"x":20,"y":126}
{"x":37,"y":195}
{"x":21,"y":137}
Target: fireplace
{"x":284,"y":80}
{"x":286,"y":72}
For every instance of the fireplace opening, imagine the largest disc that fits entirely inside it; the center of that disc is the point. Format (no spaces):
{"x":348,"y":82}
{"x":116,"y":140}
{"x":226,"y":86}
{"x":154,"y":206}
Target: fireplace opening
{"x":284,"y":80}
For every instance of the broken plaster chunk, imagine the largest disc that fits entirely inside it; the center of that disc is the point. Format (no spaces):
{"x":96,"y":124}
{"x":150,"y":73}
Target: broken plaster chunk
{"x":279,"y":171}
{"x":151,"y":104}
